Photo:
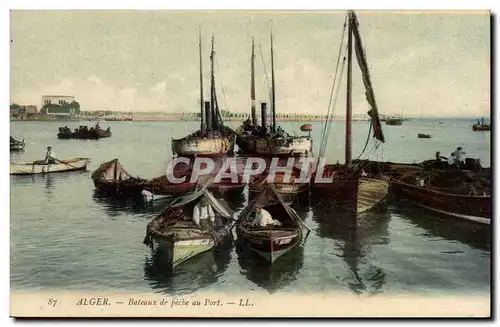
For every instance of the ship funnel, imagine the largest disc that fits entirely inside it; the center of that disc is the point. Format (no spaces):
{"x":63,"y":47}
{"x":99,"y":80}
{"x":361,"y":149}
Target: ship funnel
{"x":208,"y":115}
{"x":263,"y":113}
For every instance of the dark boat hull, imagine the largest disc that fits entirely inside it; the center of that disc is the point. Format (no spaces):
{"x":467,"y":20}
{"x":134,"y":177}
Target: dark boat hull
{"x":269,"y":246}
{"x":473,"y":208}
{"x":123,"y":188}
{"x":481,"y":128}
{"x":355,"y":195}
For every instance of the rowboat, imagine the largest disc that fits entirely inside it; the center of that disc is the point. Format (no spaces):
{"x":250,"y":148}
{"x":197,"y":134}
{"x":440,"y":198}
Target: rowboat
{"x":424,"y":136}
{"x":272,"y":241}
{"x":16,"y":145}
{"x":175,"y":233}
{"x":112,"y":179}
{"x":39,"y":167}
{"x":466,"y":198}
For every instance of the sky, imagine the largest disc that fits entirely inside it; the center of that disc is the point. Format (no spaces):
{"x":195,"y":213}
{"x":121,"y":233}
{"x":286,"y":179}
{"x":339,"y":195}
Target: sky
{"x":421,"y":63}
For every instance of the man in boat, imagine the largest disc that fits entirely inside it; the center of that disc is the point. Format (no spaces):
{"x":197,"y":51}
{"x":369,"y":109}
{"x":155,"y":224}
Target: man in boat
{"x":50,"y":156}
{"x":457,"y":157}
{"x":203,"y":214}
{"x":97,"y":126}
{"x":263,"y":218}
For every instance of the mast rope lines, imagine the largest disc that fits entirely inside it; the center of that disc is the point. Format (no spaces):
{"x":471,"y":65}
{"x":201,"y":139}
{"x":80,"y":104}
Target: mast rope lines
{"x":333,"y":98}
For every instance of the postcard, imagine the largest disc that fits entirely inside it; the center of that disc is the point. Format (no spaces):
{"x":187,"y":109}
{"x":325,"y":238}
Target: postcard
{"x":168,"y":163}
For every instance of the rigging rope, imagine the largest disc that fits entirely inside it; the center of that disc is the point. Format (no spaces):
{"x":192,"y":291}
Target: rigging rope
{"x":326,"y":135}
{"x":324,"y":138}
{"x":224,"y":95}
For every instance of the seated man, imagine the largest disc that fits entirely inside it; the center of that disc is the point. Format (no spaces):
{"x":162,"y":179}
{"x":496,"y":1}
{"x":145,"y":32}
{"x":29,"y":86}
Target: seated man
{"x":203,"y":214}
{"x":263,"y":218}
{"x":50,"y":156}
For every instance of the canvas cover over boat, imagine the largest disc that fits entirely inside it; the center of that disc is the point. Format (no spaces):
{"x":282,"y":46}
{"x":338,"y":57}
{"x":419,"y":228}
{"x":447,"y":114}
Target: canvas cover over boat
{"x":111,"y":171}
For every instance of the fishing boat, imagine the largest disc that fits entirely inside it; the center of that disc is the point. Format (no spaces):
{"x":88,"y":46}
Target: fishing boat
{"x":481,"y":126}
{"x":424,"y":136}
{"x":355,"y":186}
{"x":16,"y":145}
{"x":213,"y":139}
{"x":83,"y":133}
{"x":394,"y":121}
{"x":112,"y":179}
{"x":40,"y":167}
{"x":453,"y":193}
{"x":272,"y":241}
{"x":293,"y":190}
{"x":175,"y":233}
{"x":272,"y":141}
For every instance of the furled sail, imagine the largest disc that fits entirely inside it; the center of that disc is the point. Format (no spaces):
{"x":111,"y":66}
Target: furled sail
{"x":370,"y":96}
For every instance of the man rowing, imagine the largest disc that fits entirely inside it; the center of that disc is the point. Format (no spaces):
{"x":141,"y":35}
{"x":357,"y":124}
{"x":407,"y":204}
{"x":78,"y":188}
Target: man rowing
{"x":50,"y":156}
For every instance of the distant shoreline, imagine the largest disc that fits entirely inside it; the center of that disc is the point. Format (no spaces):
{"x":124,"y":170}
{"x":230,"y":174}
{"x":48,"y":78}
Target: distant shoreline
{"x":158,"y":118}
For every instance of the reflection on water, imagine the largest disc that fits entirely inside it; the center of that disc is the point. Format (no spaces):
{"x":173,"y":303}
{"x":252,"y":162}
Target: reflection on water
{"x":354,"y":238}
{"x":192,"y":275}
{"x":271,"y":277}
{"x":116,"y":206}
{"x":475,"y":235}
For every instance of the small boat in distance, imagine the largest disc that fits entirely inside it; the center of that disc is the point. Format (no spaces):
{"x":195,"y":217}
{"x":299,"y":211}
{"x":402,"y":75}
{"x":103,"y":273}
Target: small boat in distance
{"x":83,"y":133}
{"x":16,"y":145}
{"x":394,"y":121}
{"x":40,"y":167}
{"x":112,"y":179}
{"x":424,"y":136}
{"x":481,"y":126}
{"x":213,"y":139}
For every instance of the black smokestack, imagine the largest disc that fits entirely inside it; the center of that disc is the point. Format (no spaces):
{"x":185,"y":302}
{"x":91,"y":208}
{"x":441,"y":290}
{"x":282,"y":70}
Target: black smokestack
{"x":208,"y":115}
{"x":263,"y":114}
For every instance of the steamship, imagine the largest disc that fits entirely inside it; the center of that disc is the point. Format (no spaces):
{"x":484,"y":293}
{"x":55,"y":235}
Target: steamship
{"x":268,"y":140}
{"x":213,"y":138}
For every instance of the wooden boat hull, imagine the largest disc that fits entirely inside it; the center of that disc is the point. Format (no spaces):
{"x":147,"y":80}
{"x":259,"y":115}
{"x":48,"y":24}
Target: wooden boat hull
{"x":472,"y":208}
{"x":73,"y":164}
{"x":288,"y":192}
{"x":424,"y":136}
{"x":481,"y":128}
{"x":353,"y":195}
{"x":170,"y":189}
{"x":17,"y":146}
{"x":180,"y":251}
{"x":89,"y":135}
{"x":119,"y":188}
{"x":227,"y":189}
{"x":394,"y":122}
{"x":270,"y":245}
{"x":297,"y":147}
{"x":202,"y":146}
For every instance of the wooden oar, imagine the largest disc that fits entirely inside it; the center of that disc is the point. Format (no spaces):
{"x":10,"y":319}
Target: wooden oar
{"x":64,"y":162}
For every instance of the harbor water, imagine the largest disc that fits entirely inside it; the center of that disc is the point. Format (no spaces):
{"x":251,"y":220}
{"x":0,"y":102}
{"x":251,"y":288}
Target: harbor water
{"x":64,"y":236}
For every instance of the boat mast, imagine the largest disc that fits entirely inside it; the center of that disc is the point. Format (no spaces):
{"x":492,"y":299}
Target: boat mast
{"x":273,"y":96}
{"x":252,"y":87}
{"x":349,"y":91}
{"x":202,"y":108}
{"x":212,"y":87}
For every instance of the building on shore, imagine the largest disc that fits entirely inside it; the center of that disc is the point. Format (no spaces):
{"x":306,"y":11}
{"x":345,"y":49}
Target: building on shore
{"x":60,"y":105}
